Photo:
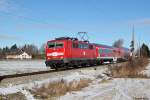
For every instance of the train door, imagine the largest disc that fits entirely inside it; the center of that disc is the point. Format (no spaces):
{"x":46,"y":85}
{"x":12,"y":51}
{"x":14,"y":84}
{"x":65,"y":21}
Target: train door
{"x":75,"y":50}
{"x":84,"y":48}
{"x":84,"y":53}
{"x":68,"y":49}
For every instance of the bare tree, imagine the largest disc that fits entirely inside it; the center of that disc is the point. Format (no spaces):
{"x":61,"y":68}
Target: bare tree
{"x":118,"y":43}
{"x":42,"y":48}
{"x":30,"y":49}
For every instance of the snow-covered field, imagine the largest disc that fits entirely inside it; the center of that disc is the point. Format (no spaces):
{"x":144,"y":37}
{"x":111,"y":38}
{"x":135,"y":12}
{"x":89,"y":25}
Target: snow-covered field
{"x":115,"y":89}
{"x":20,"y":66}
{"x":101,"y":88}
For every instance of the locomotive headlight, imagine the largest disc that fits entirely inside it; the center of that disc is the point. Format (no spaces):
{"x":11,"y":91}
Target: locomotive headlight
{"x":48,"y":58}
{"x":48,"y":54}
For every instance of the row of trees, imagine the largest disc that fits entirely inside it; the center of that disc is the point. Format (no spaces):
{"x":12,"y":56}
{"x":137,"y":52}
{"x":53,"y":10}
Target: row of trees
{"x":28,"y":48}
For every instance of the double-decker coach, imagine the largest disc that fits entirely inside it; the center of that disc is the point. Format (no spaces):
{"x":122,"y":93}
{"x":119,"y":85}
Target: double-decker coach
{"x":112,"y":54}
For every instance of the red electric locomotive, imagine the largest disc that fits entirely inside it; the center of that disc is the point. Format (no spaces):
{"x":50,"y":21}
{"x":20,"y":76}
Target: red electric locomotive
{"x":70,"y":52}
{"x":66,"y":52}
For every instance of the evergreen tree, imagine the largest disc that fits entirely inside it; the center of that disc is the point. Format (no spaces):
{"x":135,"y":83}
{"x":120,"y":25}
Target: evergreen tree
{"x":145,"y":50}
{"x":1,"y":50}
{"x":6,"y":50}
{"x":14,"y":47}
{"x":1,"y":53}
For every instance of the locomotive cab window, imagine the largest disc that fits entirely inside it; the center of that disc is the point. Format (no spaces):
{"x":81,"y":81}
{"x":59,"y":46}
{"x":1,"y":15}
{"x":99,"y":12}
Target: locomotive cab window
{"x":51,"y":44}
{"x":59,"y":45}
{"x":55,"y":44}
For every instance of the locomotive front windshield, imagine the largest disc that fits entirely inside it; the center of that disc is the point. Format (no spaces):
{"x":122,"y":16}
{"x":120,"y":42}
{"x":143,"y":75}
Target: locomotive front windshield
{"x":55,"y":44}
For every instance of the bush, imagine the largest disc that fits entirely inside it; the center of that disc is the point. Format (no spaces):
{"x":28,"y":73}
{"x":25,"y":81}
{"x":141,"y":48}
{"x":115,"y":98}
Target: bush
{"x":130,"y":69}
{"x":59,"y":88}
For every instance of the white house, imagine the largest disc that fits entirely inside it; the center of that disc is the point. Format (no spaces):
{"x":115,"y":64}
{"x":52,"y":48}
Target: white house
{"x":22,"y":55}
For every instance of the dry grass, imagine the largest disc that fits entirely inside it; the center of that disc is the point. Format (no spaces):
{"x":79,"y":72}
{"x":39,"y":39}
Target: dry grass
{"x":131,"y":69}
{"x":14,"y":96}
{"x":58,"y":88}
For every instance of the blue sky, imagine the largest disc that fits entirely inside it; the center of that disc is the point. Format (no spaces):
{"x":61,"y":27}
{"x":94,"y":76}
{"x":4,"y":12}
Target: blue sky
{"x":36,"y":21}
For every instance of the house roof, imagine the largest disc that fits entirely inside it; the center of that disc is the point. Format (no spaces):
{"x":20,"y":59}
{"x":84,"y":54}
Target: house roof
{"x":17,"y":52}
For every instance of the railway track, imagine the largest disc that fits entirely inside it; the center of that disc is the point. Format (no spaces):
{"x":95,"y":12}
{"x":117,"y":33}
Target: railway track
{"x":24,"y":74}
{"x":2,"y":77}
{"x":22,"y":78}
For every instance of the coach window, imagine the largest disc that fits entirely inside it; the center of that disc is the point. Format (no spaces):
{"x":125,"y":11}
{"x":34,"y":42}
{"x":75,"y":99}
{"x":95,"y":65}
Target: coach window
{"x":108,"y":51}
{"x":104,"y":51}
{"x":100,"y":51}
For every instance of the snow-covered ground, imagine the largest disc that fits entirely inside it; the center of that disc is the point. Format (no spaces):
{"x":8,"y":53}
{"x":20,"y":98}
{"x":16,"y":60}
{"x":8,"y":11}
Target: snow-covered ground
{"x":101,"y":88}
{"x":147,"y":71}
{"x":115,"y":89}
{"x":20,"y":66}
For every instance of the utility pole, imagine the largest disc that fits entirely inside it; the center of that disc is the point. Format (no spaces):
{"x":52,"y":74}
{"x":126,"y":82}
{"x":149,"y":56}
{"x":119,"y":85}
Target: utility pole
{"x":133,"y":43}
{"x":139,"y":48}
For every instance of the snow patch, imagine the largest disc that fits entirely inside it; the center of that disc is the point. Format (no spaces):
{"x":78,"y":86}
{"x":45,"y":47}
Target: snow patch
{"x":146,"y":71}
{"x":27,"y":94}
